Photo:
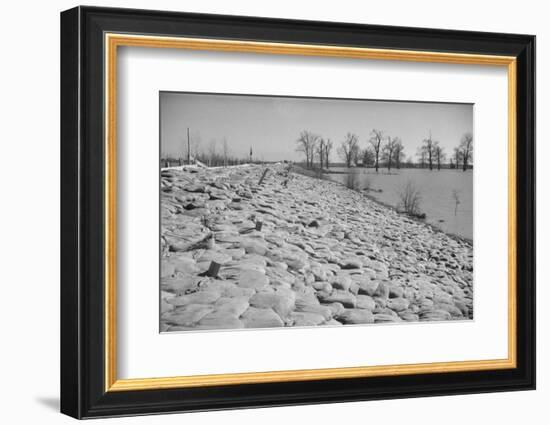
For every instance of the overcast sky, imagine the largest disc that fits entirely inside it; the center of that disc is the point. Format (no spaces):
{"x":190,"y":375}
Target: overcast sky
{"x":271,"y":125}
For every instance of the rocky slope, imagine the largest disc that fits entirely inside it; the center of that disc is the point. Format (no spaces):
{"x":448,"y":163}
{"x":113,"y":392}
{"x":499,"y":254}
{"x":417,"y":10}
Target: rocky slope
{"x":298,"y":251}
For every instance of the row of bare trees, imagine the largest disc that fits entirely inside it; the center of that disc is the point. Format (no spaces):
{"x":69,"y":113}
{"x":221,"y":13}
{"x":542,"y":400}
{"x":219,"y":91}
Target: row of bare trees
{"x":382,"y":149}
{"x":430,"y":154}
{"x":314,"y":146}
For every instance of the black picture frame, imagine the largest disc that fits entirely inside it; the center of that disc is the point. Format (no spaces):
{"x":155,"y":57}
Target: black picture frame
{"x":83,"y":392}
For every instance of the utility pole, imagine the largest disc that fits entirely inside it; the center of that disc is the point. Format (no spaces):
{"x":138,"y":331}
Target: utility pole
{"x":188,"y":149}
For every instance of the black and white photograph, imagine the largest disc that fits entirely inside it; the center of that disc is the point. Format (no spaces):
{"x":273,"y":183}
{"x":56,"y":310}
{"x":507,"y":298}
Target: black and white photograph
{"x":302,"y":211}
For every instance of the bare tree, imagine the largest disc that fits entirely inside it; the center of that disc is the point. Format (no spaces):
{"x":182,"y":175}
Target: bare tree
{"x":195,"y":145}
{"x":388,"y":151}
{"x":212,"y":152}
{"x":349,"y":149}
{"x":306,"y":144}
{"x":428,"y":147}
{"x":466,"y":148}
{"x":367,"y":155}
{"x":328,"y":149}
{"x":376,"y":140}
{"x":398,"y":154}
{"x":320,"y":150}
{"x":421,"y":154}
{"x":225,"y":151}
{"x":457,"y":156}
{"x":439,"y":155}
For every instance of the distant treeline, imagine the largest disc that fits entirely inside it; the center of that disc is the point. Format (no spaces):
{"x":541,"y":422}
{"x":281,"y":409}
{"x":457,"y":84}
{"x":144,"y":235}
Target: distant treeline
{"x":171,"y":161}
{"x":384,"y":151}
{"x":215,"y":154}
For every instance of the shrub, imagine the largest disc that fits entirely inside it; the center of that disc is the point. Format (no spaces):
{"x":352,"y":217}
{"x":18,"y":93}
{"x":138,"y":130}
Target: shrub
{"x":410,"y":198}
{"x":456,"y":197}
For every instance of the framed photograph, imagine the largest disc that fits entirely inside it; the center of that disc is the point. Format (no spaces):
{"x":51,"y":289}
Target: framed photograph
{"x":261,"y":212}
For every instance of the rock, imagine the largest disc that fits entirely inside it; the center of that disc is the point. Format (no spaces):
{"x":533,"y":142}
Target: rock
{"x":254,"y":246}
{"x":396,"y":291}
{"x":223,"y":227}
{"x":235,"y":253}
{"x":309,"y":279}
{"x":409,"y":316}
{"x":167,"y":269}
{"x":443,"y":298}
{"x":452,"y":309}
{"x":354,"y":288}
{"x":305,"y":319}
{"x":217,"y":194}
{"x":187,"y":315}
{"x":462,"y":307}
{"x":385,"y":318}
{"x":435,"y":315}
{"x":296,"y":263}
{"x":426,"y":303}
{"x":378,"y":266}
{"x":382,"y":291}
{"x":235,"y":291}
{"x":398,"y":304}
{"x":316,"y":308}
{"x":227,"y":237}
{"x":194,"y":188}
{"x":322,"y":286}
{"x":337,"y":296}
{"x":183,"y":264}
{"x":232,"y":306}
{"x":252,"y":279}
{"x":355,"y":316}
{"x":280,"y":300}
{"x":261,"y":318}
{"x":216,"y":256}
{"x":351,"y":263}
{"x":368,"y":287}
{"x":277,"y":273}
{"x":341,"y":282}
{"x":180,"y":285}
{"x":336,"y":308}
{"x":319,"y":274}
{"x":252,"y":260}
{"x":201,"y":297}
{"x":365,"y":302}
{"x":220,"y":320}
{"x":165,"y":307}
{"x":385,"y":310}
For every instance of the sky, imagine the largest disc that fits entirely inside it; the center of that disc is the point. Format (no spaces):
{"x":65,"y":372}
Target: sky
{"x":271,"y":125}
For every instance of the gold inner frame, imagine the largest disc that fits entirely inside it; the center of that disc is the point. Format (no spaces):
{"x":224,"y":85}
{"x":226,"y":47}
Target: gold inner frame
{"x":113,"y":41}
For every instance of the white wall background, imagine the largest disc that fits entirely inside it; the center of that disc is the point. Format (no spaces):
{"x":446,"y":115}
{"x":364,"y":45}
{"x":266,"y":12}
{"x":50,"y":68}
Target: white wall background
{"x":29,"y":213}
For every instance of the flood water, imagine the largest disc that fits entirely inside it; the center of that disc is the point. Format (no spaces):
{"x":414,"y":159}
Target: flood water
{"x":436,"y":190}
